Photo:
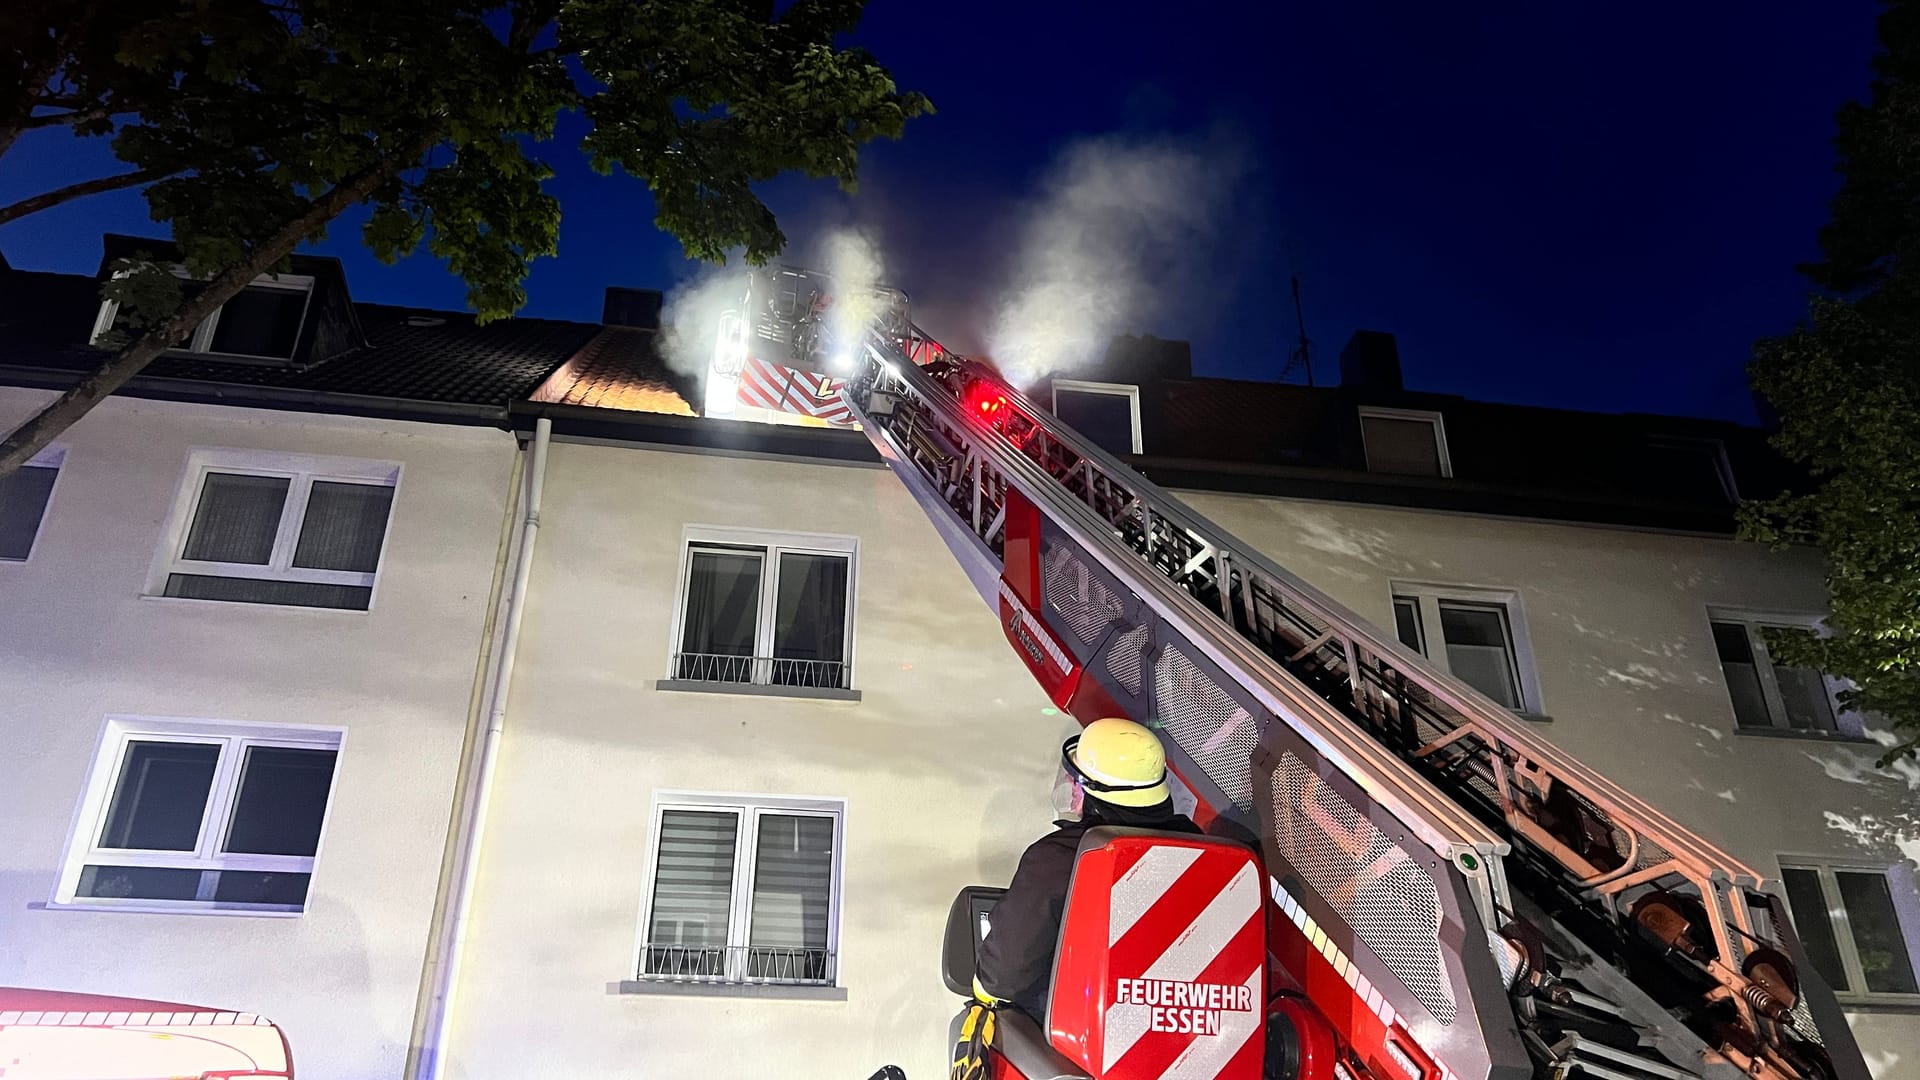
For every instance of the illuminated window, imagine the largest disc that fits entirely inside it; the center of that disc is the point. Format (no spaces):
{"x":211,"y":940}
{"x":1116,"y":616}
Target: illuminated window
{"x":1408,"y":441}
{"x":743,"y":890}
{"x":764,"y":609}
{"x":1849,"y":919}
{"x":260,"y":528}
{"x":1108,"y":414}
{"x":201,"y":815}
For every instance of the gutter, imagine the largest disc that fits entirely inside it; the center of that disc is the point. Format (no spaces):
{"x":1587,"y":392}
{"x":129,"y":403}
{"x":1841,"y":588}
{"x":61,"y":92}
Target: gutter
{"x":426,"y":1057}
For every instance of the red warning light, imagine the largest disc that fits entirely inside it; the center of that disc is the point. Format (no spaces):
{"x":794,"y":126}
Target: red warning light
{"x":988,"y":402}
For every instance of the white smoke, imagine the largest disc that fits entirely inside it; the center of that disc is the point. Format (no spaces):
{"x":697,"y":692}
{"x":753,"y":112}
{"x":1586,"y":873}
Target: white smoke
{"x":853,"y":259}
{"x":1121,"y":232}
{"x":690,"y":316}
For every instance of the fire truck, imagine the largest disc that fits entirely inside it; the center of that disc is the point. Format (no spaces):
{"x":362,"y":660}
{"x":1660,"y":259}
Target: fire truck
{"x":1401,"y":881}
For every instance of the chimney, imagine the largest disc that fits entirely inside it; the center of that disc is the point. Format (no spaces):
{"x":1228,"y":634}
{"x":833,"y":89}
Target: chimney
{"x":1370,"y":363}
{"x":1146,"y":359}
{"x":632,"y":307}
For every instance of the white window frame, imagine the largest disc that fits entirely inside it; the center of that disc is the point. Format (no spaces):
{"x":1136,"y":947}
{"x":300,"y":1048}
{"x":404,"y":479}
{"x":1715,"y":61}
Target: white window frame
{"x":302,"y":471}
{"x":234,"y":738}
{"x":745,"y":865}
{"x":1906,"y":911}
{"x":1845,"y":724}
{"x":1438,"y":421}
{"x":1129,"y":391}
{"x":52,"y":457}
{"x":774,"y":544}
{"x":202,"y":338}
{"x":1429,"y":594}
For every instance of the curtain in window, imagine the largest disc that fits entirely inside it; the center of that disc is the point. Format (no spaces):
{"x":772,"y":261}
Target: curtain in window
{"x":792,"y":892}
{"x":344,"y":526}
{"x":237,"y":518}
{"x":810,"y":621}
{"x":1479,"y":649}
{"x":723,"y":612}
{"x":23,"y":500}
{"x":265,"y":591}
{"x":1742,"y":674}
{"x":692,"y":893}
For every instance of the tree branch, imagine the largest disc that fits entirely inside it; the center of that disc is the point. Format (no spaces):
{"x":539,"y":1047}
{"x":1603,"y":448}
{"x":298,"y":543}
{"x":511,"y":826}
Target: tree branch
{"x":50,"y":199}
{"x":78,"y":116}
{"x":110,"y":376}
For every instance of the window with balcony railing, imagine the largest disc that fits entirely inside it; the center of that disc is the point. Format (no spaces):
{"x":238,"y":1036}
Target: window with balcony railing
{"x":765,"y":609}
{"x":744,"y":891}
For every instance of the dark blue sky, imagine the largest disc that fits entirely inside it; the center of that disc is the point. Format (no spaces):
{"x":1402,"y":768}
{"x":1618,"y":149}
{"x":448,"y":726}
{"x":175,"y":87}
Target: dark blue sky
{"x":1596,"y":205}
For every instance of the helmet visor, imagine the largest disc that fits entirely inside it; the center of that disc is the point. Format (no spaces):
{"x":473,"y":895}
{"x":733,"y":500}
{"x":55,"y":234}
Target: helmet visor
{"x":1069,"y":797}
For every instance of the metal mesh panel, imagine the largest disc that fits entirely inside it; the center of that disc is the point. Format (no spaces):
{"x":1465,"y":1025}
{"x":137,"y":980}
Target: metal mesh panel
{"x":1123,"y":659}
{"x":1207,"y":723}
{"x":1389,"y":900}
{"x":1077,"y":595}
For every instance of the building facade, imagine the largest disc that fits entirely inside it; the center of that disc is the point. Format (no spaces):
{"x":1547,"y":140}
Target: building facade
{"x":754,"y":727}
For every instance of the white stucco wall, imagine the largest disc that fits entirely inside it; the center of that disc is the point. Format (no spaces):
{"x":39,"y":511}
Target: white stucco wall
{"x":1628,"y":673}
{"x":80,"y":643}
{"x":945,"y":765}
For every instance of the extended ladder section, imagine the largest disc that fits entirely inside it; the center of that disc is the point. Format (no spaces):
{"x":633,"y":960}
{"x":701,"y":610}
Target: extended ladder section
{"x":1458,"y":895}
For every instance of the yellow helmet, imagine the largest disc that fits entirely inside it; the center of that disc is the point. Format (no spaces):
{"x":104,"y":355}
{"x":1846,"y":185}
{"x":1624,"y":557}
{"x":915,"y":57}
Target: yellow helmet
{"x":1118,"y":761}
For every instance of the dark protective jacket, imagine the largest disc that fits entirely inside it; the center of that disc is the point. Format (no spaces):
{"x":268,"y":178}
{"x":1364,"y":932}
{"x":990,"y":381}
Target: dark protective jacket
{"x":1015,"y":962}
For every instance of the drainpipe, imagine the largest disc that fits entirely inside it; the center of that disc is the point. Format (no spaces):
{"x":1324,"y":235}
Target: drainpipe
{"x":426,"y":1059}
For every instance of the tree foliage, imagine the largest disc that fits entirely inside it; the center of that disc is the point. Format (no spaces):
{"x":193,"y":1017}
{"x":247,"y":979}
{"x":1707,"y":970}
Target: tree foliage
{"x":1846,"y":386}
{"x":259,"y":122}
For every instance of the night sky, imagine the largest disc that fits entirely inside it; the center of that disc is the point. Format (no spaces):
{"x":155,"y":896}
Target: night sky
{"x":1595,"y":206}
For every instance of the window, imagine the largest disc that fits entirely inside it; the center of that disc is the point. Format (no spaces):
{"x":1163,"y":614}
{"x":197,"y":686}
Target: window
{"x":1476,"y":635}
{"x":1769,"y":696}
{"x":1849,"y":919}
{"x":262,"y":322}
{"x":201,"y":815}
{"x":1406,"y":441}
{"x":1692,"y":469}
{"x":744,"y":890}
{"x":23,"y":502}
{"x":279,"y":529}
{"x":765,"y":609}
{"x":1108,"y":414}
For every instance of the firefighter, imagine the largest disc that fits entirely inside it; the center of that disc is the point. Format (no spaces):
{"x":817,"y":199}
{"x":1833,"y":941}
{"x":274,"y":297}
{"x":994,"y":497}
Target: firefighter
{"x":1113,"y":773}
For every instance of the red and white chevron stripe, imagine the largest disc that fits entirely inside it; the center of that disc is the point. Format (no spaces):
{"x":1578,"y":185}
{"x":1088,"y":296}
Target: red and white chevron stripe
{"x":767,"y":385}
{"x":1186,"y":952}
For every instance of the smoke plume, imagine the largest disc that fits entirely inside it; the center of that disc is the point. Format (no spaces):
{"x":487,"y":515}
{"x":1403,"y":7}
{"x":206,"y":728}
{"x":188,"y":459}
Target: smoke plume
{"x":690,"y":316}
{"x":853,"y":259}
{"x":1118,"y":236}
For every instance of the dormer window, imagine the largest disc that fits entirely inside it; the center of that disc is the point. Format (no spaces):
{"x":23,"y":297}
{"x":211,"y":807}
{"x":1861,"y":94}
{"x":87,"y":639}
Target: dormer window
{"x":1695,"y":469}
{"x":262,"y":323}
{"x":1412,"y":442}
{"x":1106,"y":413}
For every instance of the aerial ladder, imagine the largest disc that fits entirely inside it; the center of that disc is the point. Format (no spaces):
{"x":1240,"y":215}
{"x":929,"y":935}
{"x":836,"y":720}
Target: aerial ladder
{"x":1446,"y":895}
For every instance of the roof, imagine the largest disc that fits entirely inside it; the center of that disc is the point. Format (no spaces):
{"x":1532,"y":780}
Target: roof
{"x":620,"y":369}
{"x":410,"y":354}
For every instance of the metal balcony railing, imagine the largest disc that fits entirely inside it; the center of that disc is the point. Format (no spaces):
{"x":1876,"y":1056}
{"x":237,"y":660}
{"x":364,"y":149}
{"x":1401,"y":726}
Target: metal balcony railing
{"x":737,"y":964}
{"x":761,"y":670}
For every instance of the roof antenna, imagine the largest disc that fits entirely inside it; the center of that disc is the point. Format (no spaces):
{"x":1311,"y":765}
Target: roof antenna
{"x":1301,"y":356}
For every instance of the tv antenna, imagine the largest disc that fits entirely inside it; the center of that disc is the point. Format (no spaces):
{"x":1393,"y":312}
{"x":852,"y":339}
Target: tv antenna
{"x":1302,"y":356}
